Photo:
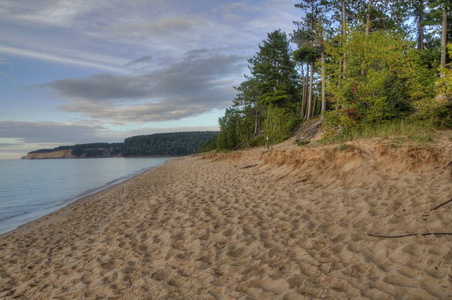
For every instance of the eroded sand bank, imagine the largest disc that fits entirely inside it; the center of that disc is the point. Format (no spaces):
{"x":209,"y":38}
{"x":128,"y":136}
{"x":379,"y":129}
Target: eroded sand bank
{"x":246,"y":226}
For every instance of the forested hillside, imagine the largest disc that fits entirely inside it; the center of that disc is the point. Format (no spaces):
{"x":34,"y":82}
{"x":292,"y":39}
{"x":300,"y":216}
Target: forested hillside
{"x":358,"y":64}
{"x":164,"y":144}
{"x":178,"y":143}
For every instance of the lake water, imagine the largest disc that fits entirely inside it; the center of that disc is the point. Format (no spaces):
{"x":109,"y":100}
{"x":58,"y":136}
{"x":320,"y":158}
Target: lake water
{"x":30,"y":189}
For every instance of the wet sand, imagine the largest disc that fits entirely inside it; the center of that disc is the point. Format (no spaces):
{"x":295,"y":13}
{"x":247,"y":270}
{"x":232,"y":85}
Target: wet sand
{"x":246,"y":226}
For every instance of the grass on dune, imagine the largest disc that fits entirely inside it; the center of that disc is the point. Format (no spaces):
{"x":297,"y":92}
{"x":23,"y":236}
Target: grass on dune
{"x":420,"y":132}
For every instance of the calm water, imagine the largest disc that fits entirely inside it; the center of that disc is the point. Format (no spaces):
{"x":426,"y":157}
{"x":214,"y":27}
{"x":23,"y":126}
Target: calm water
{"x":30,"y":189}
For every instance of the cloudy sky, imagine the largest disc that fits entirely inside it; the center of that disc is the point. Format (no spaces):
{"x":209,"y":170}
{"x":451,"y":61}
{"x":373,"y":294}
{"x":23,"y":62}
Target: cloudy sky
{"x":80,"y":71}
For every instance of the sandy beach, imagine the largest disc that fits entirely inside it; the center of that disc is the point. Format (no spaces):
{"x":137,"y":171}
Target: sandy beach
{"x":287,"y":224}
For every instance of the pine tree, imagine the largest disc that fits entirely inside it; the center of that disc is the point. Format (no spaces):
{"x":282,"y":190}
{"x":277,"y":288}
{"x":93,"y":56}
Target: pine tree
{"x":439,"y":14}
{"x":274,"y":71}
{"x":310,"y":37}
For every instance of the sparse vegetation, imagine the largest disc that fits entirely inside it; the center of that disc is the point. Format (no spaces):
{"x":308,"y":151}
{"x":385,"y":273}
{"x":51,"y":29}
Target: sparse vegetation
{"x":303,"y":142}
{"x":396,"y":130}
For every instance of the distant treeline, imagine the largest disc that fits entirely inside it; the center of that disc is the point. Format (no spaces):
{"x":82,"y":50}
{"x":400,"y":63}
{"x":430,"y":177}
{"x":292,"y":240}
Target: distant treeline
{"x":51,"y":150}
{"x":179,"y":143}
{"x":97,"y":150}
{"x":171,"y":144}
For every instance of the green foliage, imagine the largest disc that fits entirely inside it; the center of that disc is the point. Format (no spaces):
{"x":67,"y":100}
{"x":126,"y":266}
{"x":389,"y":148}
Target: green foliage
{"x":274,"y":71}
{"x":97,"y":150}
{"x":268,"y":98}
{"x":227,"y":138}
{"x":167,"y":144}
{"x":422,"y":77}
{"x":209,"y":145}
{"x":258,"y":141}
{"x":303,"y":142}
{"x":384,"y":77}
{"x":445,"y":82}
{"x":442,"y":105}
{"x":306,"y":53}
{"x":275,"y":126}
{"x":443,"y":115}
{"x":339,"y":123}
{"x":420,"y":131}
{"x":377,"y":82}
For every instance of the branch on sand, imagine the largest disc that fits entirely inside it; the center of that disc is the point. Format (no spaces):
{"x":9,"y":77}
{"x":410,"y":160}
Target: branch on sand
{"x":448,"y":165}
{"x":249,"y":166}
{"x":239,"y":146}
{"x":442,"y":204}
{"x":410,"y":234}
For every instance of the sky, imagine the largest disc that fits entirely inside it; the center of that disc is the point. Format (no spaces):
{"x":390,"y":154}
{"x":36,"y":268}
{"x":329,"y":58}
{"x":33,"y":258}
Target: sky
{"x":83,"y":71}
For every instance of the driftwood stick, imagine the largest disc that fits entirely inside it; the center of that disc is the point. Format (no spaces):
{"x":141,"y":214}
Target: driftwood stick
{"x":407,"y":235}
{"x":239,"y":146}
{"x":301,"y":180}
{"x":391,"y":236}
{"x":442,"y":204}
{"x":448,"y":165}
{"x":249,"y":166}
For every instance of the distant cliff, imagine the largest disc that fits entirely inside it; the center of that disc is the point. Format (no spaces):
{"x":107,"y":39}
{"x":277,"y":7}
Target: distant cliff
{"x":160,"y":144}
{"x":95,"y":150}
{"x":51,"y":155}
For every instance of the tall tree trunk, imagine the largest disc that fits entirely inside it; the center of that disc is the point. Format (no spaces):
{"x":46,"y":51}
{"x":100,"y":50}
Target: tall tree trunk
{"x":444,"y":38}
{"x":308,"y":114}
{"x":344,"y":19}
{"x":256,"y":120}
{"x":314,"y":102}
{"x":344,"y":33}
{"x":305,"y":88}
{"x":369,"y":10}
{"x":307,"y":91}
{"x":323,"y":82}
{"x":420,"y":26}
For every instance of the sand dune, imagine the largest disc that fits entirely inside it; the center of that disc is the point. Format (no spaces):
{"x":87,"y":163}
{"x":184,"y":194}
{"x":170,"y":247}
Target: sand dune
{"x":288,"y":224}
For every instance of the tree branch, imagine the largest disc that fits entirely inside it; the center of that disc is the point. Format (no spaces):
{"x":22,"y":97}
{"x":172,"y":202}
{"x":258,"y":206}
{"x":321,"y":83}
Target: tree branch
{"x":407,"y":235}
{"x":249,"y":166}
{"x":448,"y":165}
{"x":442,"y":204}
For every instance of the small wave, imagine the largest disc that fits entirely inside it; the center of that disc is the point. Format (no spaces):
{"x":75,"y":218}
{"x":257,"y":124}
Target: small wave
{"x":107,"y":185}
{"x":13,"y":216}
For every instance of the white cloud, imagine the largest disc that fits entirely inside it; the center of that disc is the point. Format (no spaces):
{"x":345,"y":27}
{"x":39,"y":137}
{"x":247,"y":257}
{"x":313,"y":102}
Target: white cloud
{"x":60,"y":59}
{"x":202,"y":81}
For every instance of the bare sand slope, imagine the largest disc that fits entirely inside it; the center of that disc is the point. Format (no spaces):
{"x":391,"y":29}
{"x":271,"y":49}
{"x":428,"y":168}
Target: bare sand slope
{"x":281,"y":225}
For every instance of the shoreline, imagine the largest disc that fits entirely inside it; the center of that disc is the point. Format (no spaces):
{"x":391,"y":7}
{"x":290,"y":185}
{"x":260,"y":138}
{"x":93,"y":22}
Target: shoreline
{"x":242,"y":225}
{"x":150,"y":156}
{"x":84,"y":195}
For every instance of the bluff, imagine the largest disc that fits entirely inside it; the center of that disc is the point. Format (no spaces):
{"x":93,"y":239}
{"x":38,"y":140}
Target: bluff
{"x":50,"y":155}
{"x":160,"y":144}
{"x":95,"y":150}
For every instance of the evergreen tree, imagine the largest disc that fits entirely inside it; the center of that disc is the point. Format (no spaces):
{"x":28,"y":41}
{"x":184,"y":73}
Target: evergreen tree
{"x":440,"y":11}
{"x":310,"y":38}
{"x":265,"y":100}
{"x":274,"y":71}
